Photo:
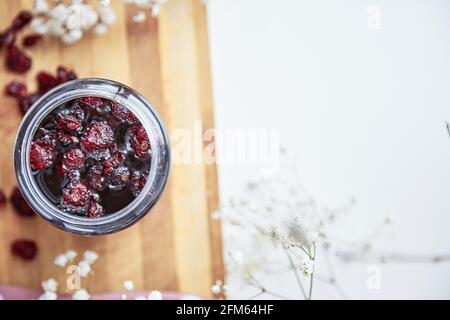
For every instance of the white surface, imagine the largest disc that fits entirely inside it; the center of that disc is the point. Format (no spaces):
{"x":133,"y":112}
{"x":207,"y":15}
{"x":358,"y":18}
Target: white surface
{"x":364,"y":109}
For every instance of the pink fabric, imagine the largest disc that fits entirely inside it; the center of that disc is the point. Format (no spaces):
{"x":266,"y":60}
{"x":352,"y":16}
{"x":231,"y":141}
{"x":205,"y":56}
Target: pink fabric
{"x":16,"y":293}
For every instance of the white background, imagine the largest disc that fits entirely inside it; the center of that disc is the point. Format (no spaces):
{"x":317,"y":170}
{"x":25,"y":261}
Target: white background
{"x":364,"y":109}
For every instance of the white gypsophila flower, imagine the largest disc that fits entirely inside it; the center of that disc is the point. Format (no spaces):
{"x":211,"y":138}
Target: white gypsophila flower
{"x":84,"y":268}
{"x":48,"y":295}
{"x":40,"y":6}
{"x":107,"y":15}
{"x":217,"y":287}
{"x":139,"y":17}
{"x":155,"y":10}
{"x":59,"y":12}
{"x":39,"y":26}
{"x":73,"y":21}
{"x":128,"y":285}
{"x":70,"y":254}
{"x":60,"y":260}
{"x":90,"y":256}
{"x":50,"y":285}
{"x":88,"y":17}
{"x":72,"y":36}
{"x":101,"y":29}
{"x":81,"y":294}
{"x":155,"y":295}
{"x":55,"y":27}
{"x":307,"y":265}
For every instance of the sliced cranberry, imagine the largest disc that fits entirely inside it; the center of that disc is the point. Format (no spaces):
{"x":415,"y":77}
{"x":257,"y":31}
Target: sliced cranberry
{"x":16,"y":89}
{"x":95,"y":178}
{"x":122,"y":114}
{"x":40,"y":157}
{"x":20,"y":204}
{"x":31,"y":40}
{"x":28,"y":101}
{"x":99,"y":136}
{"x":25,"y":249}
{"x":70,"y":120}
{"x":95,"y":210}
{"x":138,"y":181}
{"x":73,"y":159}
{"x":17,"y":60}
{"x":46,"y":82}
{"x":21,"y":20}
{"x":2,"y":198}
{"x":63,"y":75}
{"x":118,"y":178}
{"x":139,"y":141}
{"x":76,"y":195}
{"x":94,"y":103}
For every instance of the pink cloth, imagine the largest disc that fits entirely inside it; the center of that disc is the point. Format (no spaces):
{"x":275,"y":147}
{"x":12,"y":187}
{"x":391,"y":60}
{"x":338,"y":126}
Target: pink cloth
{"x":16,"y":293}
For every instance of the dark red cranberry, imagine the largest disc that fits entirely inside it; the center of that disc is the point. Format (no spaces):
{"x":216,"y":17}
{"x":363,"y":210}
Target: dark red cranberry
{"x":117,"y":157}
{"x":40,"y":157}
{"x":95,"y":210}
{"x":63,"y":75}
{"x":95,"y":178}
{"x":16,"y":89}
{"x":67,"y":139}
{"x":139,"y":141}
{"x":47,"y":140}
{"x":17,"y":60}
{"x":70,"y":120}
{"x":94,"y":103}
{"x":46,"y":82}
{"x":76,"y":195}
{"x":31,"y":40}
{"x":28,"y":101}
{"x":2,"y":198}
{"x":99,"y":136}
{"x":25,"y":249}
{"x":118,"y":178}
{"x":123,"y":114}
{"x":138,"y":181}
{"x":20,"y":204}
{"x":7,"y":38}
{"x":73,"y":159}
{"x":21,"y":20}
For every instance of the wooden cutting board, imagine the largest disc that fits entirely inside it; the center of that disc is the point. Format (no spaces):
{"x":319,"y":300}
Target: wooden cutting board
{"x":176,"y":247}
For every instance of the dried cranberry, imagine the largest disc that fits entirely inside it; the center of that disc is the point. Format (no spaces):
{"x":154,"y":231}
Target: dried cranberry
{"x":25,"y":249}
{"x":28,"y":101}
{"x":67,"y":139}
{"x":72,"y":159}
{"x":76,"y":195}
{"x":40,"y":157}
{"x":16,"y":89}
{"x":138,"y":181}
{"x":21,"y":20}
{"x":2,"y":198}
{"x":63,"y":75}
{"x":118,"y":178}
{"x":117,"y":157}
{"x":99,"y":136}
{"x":95,"y":178}
{"x":17,"y":60}
{"x":31,"y":40}
{"x":20,"y":204}
{"x":7,"y":38}
{"x":139,"y":142}
{"x":95,"y":210}
{"x":46,"y":82}
{"x":121,"y":113}
{"x":70,"y":120}
{"x":94,"y":103}
{"x":47,"y":139}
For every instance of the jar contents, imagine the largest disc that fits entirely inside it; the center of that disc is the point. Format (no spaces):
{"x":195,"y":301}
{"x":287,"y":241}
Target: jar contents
{"x":90,"y":156}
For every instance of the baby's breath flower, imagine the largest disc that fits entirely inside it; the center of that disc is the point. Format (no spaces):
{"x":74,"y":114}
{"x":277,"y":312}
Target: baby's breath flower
{"x":50,"y":285}
{"x":84,"y":268}
{"x":70,"y":254}
{"x":307,"y":265}
{"x":81,"y":294}
{"x":107,"y":15}
{"x":48,"y":295}
{"x":40,"y":6}
{"x":139,"y":17}
{"x":155,"y":295}
{"x":90,"y":256}
{"x":60,"y":260}
{"x":101,"y":29}
{"x":128,"y":285}
{"x":217,"y":287}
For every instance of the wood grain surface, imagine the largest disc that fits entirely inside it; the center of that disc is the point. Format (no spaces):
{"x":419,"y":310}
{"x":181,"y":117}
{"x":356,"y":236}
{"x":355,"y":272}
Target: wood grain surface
{"x":176,"y":247}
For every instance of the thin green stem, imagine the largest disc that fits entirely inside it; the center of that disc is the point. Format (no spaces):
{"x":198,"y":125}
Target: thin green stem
{"x":294,"y":269}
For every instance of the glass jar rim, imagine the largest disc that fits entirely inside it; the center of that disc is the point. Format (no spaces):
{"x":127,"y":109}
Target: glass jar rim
{"x":159,"y":166}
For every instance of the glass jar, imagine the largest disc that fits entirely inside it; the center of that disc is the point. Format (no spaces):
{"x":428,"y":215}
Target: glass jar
{"x":159,"y":166}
